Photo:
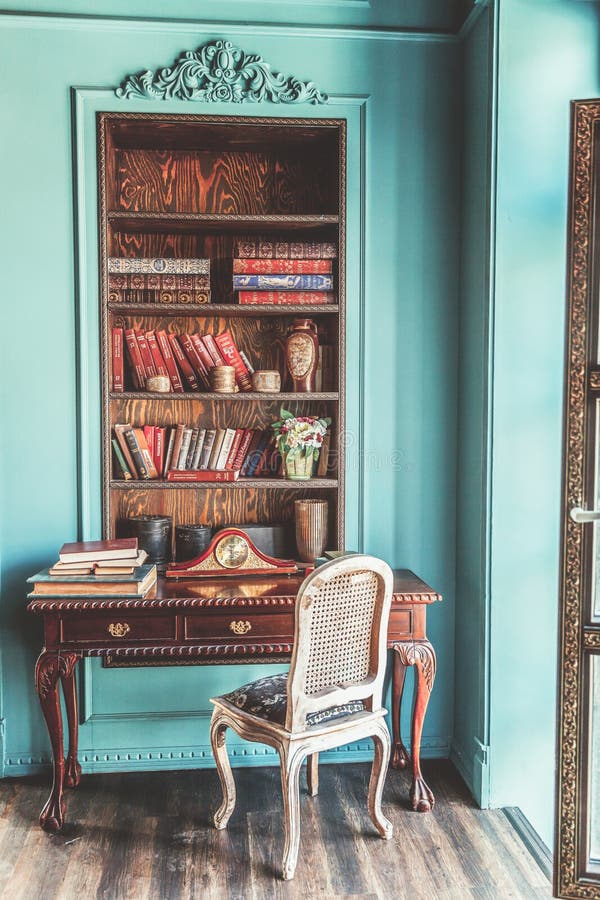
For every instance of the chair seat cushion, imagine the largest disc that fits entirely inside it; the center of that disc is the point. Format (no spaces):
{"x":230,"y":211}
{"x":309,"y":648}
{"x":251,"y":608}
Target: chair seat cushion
{"x":267,"y":699}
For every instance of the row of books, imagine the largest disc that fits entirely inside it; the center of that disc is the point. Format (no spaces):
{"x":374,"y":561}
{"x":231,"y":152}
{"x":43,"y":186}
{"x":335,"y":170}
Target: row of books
{"x":158,"y":280}
{"x":186,"y":359}
{"x":283,"y":272}
{"x":92,"y":568}
{"x":192,"y":453}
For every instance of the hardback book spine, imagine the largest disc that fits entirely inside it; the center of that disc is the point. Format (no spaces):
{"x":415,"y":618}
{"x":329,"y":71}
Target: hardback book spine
{"x":160,"y":434}
{"x":118,"y":381}
{"x":202,"y":351}
{"x":123,"y":468}
{"x":119,"y":431}
{"x":169,"y":450}
{"x":247,"y":362}
{"x":231,"y":355}
{"x":282,"y":266}
{"x":198,"y":448}
{"x":283,"y":282}
{"x":145,"y":451}
{"x":285,"y":298}
{"x":184,"y":449}
{"x":172,"y":370}
{"x":146,"y":355}
{"x":179,"y":430}
{"x":192,"y":354}
{"x":199,"y":475}
{"x":213,"y":350}
{"x":254,"y":442}
{"x":159,"y":362}
{"x":256,"y":453}
{"x":160,"y":265}
{"x":138,"y":373}
{"x":149,"y":438}
{"x":235,"y":446}
{"x":136,"y":453}
{"x":158,"y":281}
{"x":243,"y":448}
{"x":263,"y":466}
{"x":216,"y":449}
{"x":221,"y":460}
{"x":209,"y":440}
{"x":192,"y":448}
{"x":268,"y":249}
{"x":183,"y":363}
{"x":123,"y":295}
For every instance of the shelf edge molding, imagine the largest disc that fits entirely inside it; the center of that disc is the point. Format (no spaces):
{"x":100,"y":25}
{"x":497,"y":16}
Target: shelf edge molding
{"x":218,"y":72}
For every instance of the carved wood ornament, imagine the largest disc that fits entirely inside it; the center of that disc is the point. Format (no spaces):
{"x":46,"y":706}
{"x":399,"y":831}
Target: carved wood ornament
{"x":220,"y":72}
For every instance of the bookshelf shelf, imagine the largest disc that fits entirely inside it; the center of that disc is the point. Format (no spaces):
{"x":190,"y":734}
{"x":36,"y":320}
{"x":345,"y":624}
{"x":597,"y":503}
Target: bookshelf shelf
{"x":182,"y":223}
{"x":271,"y":484}
{"x":198,"y":186}
{"x":224,"y":310}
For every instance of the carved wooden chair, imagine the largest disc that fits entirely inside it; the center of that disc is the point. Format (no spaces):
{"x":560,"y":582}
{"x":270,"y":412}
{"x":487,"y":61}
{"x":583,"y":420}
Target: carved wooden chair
{"x":331,"y":695}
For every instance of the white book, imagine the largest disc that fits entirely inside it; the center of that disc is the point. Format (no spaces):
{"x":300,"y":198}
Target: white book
{"x":185,"y":446}
{"x":225,"y":448}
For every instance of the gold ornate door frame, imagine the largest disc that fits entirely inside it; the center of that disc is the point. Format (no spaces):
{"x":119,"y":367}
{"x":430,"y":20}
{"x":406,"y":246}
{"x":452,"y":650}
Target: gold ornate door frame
{"x":577,"y":858}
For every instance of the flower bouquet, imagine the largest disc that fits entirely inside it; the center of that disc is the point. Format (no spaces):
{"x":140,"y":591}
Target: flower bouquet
{"x":299,"y":440}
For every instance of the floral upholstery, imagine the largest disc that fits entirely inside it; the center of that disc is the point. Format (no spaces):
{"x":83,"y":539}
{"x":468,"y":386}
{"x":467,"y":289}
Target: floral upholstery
{"x":267,"y":699}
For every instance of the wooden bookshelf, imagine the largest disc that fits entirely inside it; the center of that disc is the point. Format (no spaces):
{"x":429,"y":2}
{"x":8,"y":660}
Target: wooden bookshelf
{"x":189,"y":186}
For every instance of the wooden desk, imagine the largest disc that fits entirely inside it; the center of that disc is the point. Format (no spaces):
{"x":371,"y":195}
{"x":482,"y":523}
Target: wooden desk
{"x":221,"y":619}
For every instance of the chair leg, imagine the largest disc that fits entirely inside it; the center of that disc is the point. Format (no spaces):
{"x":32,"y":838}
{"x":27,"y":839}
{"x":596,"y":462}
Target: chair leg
{"x":291,"y":763}
{"x":217,"y":739}
{"x":312,"y":774}
{"x":381,"y":758}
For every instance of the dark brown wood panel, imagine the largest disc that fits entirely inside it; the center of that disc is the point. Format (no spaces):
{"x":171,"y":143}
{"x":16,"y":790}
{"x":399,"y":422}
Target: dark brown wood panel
{"x":230,"y":182}
{"x":268,"y":626}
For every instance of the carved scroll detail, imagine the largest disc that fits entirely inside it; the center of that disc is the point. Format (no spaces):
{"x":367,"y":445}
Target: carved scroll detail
{"x":220,"y":72}
{"x":414,"y":653}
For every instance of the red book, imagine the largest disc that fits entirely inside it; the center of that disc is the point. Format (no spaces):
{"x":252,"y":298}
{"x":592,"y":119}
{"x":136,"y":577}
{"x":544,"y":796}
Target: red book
{"x":203,"y":475}
{"x":200,"y":348}
{"x":235,"y":446}
{"x":157,"y":356}
{"x":118,"y":383}
{"x":81,"y":551}
{"x":282,"y":266}
{"x":145,"y":354}
{"x":158,"y":453}
{"x":192,"y":354}
{"x":213,"y":350}
{"x":243,"y":448}
{"x":172,"y":370}
{"x":183,"y":363}
{"x":231,"y":355}
{"x":285,"y":298}
{"x":138,"y":373}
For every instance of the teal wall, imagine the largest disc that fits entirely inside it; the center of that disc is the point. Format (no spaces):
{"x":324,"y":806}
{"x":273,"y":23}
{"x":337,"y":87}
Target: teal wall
{"x":471,"y":738}
{"x":548,"y":55}
{"x":399,"y":90}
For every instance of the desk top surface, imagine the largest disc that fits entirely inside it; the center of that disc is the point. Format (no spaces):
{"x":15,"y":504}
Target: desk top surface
{"x":207,"y":592}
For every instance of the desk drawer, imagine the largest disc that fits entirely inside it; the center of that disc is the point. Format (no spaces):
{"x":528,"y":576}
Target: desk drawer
{"x":400,"y":625}
{"x":240,"y":625}
{"x":115,"y":627}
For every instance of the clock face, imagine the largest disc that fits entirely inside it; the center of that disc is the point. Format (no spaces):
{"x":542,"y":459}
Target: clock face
{"x":232,"y":551}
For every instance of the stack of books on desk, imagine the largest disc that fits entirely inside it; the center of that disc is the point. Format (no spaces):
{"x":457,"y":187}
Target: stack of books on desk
{"x":97,"y":568}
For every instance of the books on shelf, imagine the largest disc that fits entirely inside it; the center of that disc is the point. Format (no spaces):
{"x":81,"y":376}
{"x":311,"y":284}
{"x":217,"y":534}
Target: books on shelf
{"x":159,"y":265}
{"x":283,"y":282}
{"x":266,"y":248}
{"x":93,"y":551}
{"x":139,"y":281}
{"x":256,"y":266}
{"x":283,"y":272}
{"x":192,"y":448}
{"x":286,"y":298}
{"x":135,"y":584}
{"x":123,"y":295}
{"x":185,"y":358}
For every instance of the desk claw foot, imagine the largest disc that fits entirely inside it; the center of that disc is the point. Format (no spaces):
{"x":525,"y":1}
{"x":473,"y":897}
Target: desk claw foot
{"x":52,"y":817}
{"x":72,"y":772}
{"x":421,"y":797}
{"x":401,"y":757}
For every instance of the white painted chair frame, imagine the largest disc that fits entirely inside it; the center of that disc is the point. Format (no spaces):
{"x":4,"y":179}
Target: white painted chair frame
{"x":352,"y":593}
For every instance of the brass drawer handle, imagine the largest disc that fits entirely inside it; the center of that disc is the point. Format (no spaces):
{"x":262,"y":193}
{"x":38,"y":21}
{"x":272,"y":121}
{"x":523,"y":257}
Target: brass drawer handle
{"x":118,"y":629}
{"x":241,"y":627}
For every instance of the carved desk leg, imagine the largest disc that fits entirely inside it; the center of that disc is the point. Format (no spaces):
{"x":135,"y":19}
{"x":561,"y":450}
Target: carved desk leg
{"x":48,"y":670}
{"x":400,"y":757}
{"x":421,"y":655}
{"x":67,"y":677}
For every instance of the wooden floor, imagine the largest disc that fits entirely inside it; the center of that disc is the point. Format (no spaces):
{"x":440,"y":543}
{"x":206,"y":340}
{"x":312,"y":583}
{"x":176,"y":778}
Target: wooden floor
{"x":150,"y":836}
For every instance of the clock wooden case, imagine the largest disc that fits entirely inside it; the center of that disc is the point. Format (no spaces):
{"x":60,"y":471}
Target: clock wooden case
{"x":188,"y":186}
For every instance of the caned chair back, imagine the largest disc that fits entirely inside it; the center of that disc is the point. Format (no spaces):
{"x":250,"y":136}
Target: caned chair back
{"x":342,"y":612}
